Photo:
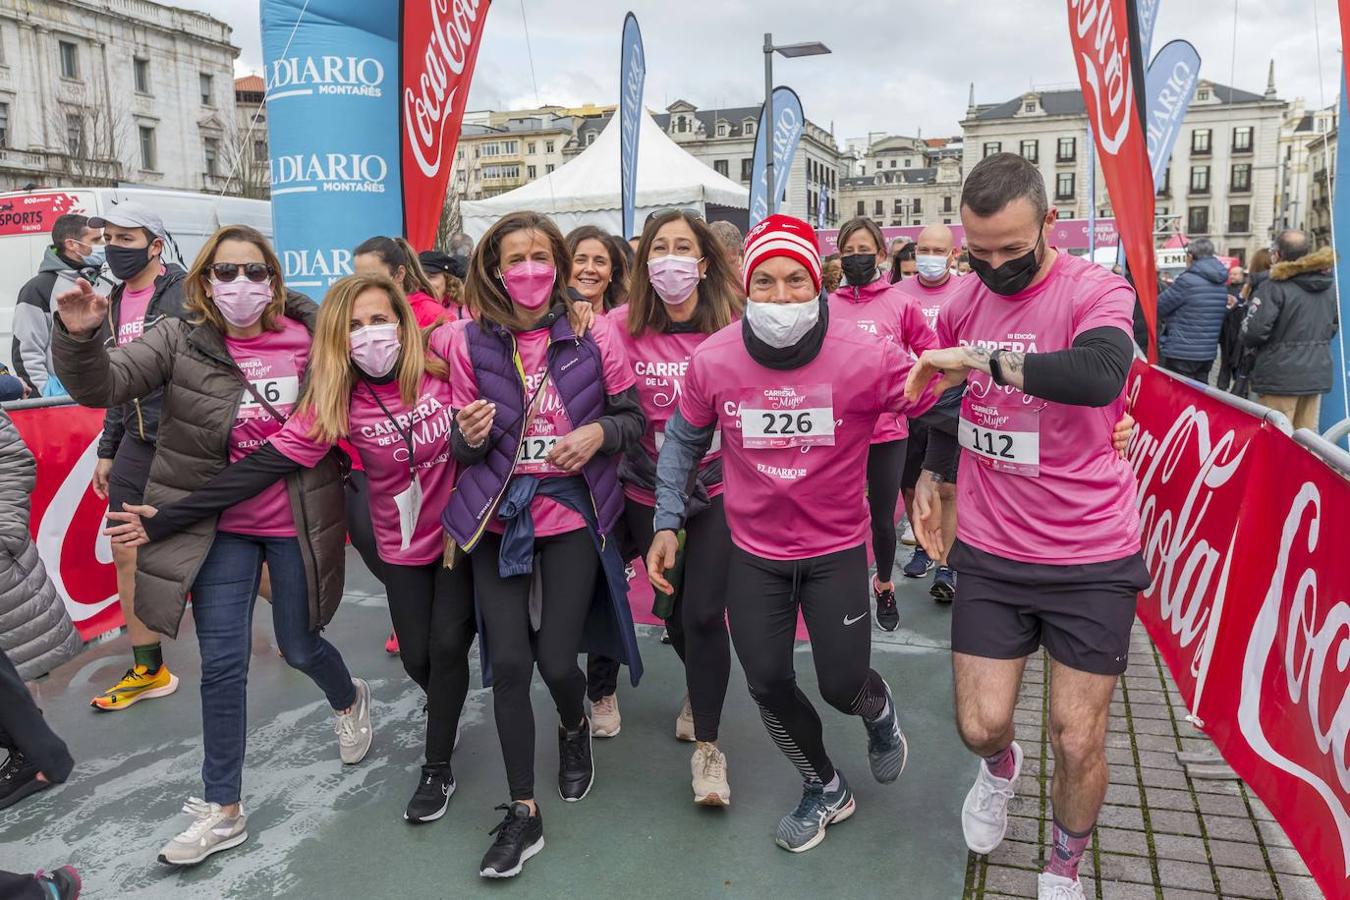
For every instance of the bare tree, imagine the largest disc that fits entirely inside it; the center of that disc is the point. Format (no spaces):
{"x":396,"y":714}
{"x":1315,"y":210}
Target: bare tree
{"x":92,"y":139}
{"x":451,"y":222}
{"x":244,"y":162}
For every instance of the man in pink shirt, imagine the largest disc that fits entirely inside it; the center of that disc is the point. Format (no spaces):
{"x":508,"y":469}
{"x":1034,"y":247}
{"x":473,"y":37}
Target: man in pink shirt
{"x":1048,"y":535}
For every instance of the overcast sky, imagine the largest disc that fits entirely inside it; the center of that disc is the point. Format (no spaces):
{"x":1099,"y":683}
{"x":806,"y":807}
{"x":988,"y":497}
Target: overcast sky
{"x":890,"y":71}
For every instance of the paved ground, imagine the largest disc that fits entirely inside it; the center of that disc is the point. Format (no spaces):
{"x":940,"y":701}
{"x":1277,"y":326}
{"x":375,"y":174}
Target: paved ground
{"x":319,"y":829}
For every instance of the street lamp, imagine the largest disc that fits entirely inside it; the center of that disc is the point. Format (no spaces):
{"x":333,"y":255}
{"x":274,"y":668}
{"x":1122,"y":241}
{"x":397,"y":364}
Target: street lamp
{"x":791,"y":51}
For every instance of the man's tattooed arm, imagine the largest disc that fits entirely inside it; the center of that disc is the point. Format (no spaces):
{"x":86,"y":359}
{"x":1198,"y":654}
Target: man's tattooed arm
{"x":1012,"y":365}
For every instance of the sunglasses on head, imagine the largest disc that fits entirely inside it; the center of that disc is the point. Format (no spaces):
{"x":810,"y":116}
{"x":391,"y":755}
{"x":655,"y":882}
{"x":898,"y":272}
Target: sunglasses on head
{"x":255,"y":272}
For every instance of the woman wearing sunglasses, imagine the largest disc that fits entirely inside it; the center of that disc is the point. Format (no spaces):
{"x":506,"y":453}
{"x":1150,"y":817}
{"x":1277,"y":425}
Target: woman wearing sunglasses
{"x":232,"y":373}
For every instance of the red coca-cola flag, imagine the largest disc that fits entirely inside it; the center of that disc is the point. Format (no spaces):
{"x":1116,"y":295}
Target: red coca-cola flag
{"x":440,"y":44}
{"x":1099,"y":33}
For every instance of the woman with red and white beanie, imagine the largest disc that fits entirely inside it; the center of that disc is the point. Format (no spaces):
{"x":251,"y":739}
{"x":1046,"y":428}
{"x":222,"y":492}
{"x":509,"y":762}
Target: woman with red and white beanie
{"x":796,"y":397}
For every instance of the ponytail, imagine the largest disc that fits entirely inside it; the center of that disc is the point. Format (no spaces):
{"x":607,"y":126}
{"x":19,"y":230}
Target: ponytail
{"x":395,"y":252}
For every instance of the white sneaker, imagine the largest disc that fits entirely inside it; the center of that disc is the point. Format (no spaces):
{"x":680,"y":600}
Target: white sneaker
{"x":1057,"y":887}
{"x":684,"y":723}
{"x":907,"y":536}
{"x":354,"y":731}
{"x":210,"y":832}
{"x":605,"y":719}
{"x":984,"y":815}
{"x":709,"y":766}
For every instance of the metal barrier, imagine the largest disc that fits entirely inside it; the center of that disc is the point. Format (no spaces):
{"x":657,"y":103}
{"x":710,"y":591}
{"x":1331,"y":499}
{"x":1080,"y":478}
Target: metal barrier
{"x":1251,"y":407}
{"x":1333,"y":455}
{"x":1338,"y":432}
{"x":38,"y":403}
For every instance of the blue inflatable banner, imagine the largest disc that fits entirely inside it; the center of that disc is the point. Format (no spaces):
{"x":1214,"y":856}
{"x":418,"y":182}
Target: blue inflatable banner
{"x":789,"y":121}
{"x":1147,"y":11}
{"x":632,"y":76}
{"x":1168,"y":89}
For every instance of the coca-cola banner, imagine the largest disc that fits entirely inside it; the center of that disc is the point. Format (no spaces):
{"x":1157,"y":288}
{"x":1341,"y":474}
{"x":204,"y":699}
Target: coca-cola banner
{"x":1099,"y":33}
{"x":1243,"y":532}
{"x":67,"y":516}
{"x":364,"y":105}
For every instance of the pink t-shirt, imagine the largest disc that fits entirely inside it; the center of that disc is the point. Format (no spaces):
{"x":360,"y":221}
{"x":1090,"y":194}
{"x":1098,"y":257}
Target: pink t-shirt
{"x":274,"y":362}
{"x":550,"y":421}
{"x":881,"y":310}
{"x":795,"y":441}
{"x":383,"y":449}
{"x":660,"y":363}
{"x":1039,"y":481}
{"x":131,"y":312}
{"x":932,"y":299}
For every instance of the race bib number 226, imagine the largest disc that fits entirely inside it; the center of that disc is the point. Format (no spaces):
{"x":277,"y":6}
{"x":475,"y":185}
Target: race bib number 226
{"x":787,"y":416}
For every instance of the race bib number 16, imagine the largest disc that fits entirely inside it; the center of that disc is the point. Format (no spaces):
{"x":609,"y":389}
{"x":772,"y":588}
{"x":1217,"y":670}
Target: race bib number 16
{"x":787,"y":416}
{"x":280,"y":392}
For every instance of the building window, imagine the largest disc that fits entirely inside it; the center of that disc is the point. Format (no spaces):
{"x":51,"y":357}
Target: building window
{"x":747,"y":166}
{"x":1242,"y":177}
{"x":531,"y":172}
{"x":892,"y":164}
{"x":721,"y":167}
{"x":681,"y":124}
{"x":74,"y":134}
{"x":722,"y":129}
{"x":530,"y":147}
{"x":946,"y":221}
{"x":993,"y":147}
{"x":1239,"y":218}
{"x":548,"y":169}
{"x":211,"y":149}
{"x":1064,"y":186}
{"x":548,"y":146}
{"x":862,"y":207}
{"x":1029,"y":106}
{"x":1030,"y":150}
{"x":141,"y":70}
{"x":260,"y":151}
{"x":878,"y":208}
{"x":1166,"y":188}
{"x":916,"y":208}
{"x":1242,"y":139}
{"x":749,"y":127}
{"x":1197,"y":220}
{"x":899,"y":208}
{"x":1202,"y":94}
{"x":1199,"y":179}
{"x":947,"y":203}
{"x":1067,"y":150}
{"x":70,"y":59}
{"x":1200,"y":139}
{"x":147,"y":139}
{"x":4,"y":124}
{"x":204,"y":82}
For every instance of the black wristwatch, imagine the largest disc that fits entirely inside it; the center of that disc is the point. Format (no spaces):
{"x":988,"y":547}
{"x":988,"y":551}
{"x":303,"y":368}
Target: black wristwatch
{"x":995,"y":370}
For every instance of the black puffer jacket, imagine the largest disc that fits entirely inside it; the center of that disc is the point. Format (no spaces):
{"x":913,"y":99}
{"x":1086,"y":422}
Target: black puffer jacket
{"x":1290,"y":322}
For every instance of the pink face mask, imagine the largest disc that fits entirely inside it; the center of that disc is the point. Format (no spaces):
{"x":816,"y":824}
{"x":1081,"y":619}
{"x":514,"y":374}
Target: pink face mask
{"x":375,"y":349}
{"x":529,"y":283}
{"x":673,"y":277}
{"x":241,"y":302}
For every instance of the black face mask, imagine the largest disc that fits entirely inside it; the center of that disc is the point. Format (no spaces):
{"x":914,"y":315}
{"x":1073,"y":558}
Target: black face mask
{"x":127,"y":262}
{"x":859,"y":268}
{"x":1014,"y":275}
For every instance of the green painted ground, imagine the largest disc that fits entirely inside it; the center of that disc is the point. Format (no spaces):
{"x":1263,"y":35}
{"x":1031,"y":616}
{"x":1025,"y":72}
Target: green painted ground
{"x":319,"y":830}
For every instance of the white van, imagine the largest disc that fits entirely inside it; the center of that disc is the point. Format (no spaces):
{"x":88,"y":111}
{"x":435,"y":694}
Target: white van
{"x":26,"y":219}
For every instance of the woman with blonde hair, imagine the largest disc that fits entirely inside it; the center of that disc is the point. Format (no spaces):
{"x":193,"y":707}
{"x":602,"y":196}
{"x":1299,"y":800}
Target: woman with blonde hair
{"x":378,"y":383}
{"x":232,"y":373}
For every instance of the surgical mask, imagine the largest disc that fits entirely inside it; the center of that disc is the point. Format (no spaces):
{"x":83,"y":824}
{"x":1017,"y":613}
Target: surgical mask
{"x":932,"y":267}
{"x":241,"y":302}
{"x":781,"y":325}
{"x":1011,"y":277}
{"x":859,"y":268}
{"x":375,"y":348}
{"x":127,"y":262}
{"x":529,"y":283}
{"x":673,"y":277}
{"x":96,"y":256}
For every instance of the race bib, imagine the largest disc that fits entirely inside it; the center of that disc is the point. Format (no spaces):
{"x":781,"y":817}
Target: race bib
{"x":1005,"y":435}
{"x":534,"y":451}
{"x":789,"y":416}
{"x":281,"y":392}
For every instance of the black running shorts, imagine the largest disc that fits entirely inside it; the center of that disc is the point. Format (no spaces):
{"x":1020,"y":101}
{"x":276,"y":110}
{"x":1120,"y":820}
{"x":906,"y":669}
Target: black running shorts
{"x":130,"y":472}
{"x":914,"y":453}
{"x":1081,"y":614}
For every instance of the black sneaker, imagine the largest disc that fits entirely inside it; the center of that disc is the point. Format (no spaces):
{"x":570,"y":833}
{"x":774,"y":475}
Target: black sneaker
{"x":919,"y":565}
{"x":519,"y":836}
{"x":888,"y":615}
{"x":944,"y":584}
{"x":432,"y":797}
{"x":576,"y":767}
{"x":63,"y":884}
{"x":18,"y":779}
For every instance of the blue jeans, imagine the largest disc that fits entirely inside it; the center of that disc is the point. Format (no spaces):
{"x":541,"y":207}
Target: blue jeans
{"x":222,"y":607}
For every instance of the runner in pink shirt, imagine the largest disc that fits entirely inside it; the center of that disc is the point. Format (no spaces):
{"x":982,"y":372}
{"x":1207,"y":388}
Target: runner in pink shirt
{"x":796,"y":394}
{"x":882,"y":310}
{"x":683,"y":290}
{"x":395,"y":258}
{"x":1048,"y":534}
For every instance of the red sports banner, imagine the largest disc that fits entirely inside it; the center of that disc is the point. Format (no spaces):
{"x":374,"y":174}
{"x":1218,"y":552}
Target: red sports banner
{"x":1099,"y":33}
{"x":1243,"y":531}
{"x":66,"y":520}
{"x":440,"y":44}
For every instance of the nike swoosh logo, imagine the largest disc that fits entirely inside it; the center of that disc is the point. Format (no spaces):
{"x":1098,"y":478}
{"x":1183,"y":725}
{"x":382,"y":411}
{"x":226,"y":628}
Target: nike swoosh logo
{"x":858,"y":618}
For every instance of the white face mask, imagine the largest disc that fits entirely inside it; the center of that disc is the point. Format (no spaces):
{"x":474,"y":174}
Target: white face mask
{"x":782,"y":324}
{"x":932,"y":267}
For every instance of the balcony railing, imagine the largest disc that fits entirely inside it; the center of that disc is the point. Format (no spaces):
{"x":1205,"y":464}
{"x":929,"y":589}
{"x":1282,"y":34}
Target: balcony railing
{"x":45,"y":164}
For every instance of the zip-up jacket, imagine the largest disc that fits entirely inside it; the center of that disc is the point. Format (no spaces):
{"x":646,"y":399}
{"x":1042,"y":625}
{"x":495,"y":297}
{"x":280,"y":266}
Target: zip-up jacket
{"x":32,"y":327}
{"x":1291,"y":320}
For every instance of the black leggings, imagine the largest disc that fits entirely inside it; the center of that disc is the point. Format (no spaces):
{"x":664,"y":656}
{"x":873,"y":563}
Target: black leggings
{"x":571,"y":567}
{"x":432,"y":609}
{"x":360,"y":531}
{"x":885,"y":469}
{"x":763,"y":596}
{"x":698,"y":625}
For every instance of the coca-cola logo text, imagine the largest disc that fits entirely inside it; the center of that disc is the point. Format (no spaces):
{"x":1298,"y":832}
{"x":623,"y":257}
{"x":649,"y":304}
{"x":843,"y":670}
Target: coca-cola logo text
{"x":1104,"y":57}
{"x":429,"y":95}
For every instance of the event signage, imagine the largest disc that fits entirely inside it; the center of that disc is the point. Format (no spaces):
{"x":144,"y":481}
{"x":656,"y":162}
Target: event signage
{"x":789,"y":121}
{"x":632,"y":77}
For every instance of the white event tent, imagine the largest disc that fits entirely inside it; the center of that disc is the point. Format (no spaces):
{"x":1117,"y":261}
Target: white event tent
{"x":585,"y":191}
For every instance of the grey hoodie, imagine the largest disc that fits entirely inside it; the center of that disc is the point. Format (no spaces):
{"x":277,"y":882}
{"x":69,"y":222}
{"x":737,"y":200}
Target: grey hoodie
{"x":32,"y":351}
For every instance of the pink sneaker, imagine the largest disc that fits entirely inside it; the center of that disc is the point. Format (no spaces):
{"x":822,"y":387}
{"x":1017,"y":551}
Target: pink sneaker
{"x":391,"y":645}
